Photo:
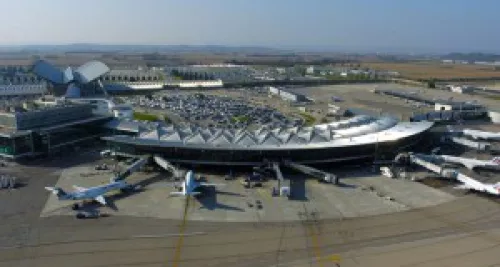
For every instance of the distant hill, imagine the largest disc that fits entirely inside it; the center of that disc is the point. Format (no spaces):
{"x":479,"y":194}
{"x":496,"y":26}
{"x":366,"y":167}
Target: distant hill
{"x":93,"y":48}
{"x":472,"y":57}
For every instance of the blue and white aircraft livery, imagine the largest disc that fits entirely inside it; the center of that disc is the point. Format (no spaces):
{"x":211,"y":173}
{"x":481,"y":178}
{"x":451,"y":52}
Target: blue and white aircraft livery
{"x":190,"y":185}
{"x":476,"y":134}
{"x":93,"y":193}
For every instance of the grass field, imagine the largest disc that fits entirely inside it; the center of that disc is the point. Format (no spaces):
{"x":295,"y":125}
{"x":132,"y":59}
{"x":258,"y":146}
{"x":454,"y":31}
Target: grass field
{"x":427,"y":70}
{"x":308,"y":118}
{"x":145,"y":116}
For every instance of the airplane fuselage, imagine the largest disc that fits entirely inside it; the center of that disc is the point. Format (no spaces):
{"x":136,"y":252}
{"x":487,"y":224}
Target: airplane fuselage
{"x":93,"y":192}
{"x":190,"y":184}
{"x":471,"y":163}
{"x":481,"y":134}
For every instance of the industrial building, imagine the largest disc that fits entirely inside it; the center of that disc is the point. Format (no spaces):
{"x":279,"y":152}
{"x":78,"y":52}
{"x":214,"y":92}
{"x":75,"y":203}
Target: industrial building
{"x":116,"y":76}
{"x":23,"y":89}
{"x":440,"y":105}
{"x":461,"y":89}
{"x":287,"y":95}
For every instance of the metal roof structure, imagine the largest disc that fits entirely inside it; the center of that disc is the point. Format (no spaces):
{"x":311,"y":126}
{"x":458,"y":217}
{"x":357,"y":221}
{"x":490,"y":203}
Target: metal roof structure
{"x":358,"y":130}
{"x":84,"y":74}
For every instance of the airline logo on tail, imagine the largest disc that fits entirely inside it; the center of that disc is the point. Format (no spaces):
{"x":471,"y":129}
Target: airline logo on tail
{"x":496,"y":160}
{"x":497,"y":187}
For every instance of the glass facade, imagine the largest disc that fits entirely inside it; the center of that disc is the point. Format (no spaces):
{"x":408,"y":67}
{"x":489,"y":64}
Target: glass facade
{"x":221,"y":156}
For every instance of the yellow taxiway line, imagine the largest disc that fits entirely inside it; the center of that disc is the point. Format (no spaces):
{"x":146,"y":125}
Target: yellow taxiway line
{"x":182,"y":229}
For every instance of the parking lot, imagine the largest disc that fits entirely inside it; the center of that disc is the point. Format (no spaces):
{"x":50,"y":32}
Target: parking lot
{"x":213,"y":109}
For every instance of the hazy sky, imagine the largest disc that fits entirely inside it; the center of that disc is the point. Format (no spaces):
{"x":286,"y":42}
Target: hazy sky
{"x":420,"y":25}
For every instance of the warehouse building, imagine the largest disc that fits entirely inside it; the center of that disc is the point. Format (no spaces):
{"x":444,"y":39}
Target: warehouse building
{"x":287,"y":95}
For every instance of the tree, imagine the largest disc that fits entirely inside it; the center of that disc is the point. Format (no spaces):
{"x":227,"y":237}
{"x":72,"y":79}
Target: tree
{"x":431,"y":83}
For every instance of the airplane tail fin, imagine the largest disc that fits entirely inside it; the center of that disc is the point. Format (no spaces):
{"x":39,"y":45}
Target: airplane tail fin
{"x":56,"y":191}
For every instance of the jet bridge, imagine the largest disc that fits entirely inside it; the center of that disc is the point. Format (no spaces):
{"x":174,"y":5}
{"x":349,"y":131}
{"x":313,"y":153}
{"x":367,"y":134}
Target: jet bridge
{"x":132,"y":168}
{"x":284,"y":187}
{"x":321,"y":175}
{"x":168,"y":166}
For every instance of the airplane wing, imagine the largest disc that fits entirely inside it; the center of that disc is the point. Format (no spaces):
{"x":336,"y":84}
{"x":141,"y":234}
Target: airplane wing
{"x":101,"y":199}
{"x":79,"y":188}
{"x":211,"y":184}
{"x":176,"y":194}
{"x":463,"y":187}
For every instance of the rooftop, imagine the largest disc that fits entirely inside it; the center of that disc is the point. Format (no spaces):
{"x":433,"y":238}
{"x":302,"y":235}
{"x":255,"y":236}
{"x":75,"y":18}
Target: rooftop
{"x":355,"y":131}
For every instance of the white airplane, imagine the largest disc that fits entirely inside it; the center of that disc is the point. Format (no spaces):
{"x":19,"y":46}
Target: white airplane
{"x":93,"y":193}
{"x":471,"y":184}
{"x":476,"y":134}
{"x":471,"y":164}
{"x":190,"y":185}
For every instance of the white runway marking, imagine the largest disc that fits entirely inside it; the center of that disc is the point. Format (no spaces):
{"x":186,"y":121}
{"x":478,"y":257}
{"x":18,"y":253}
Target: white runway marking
{"x":168,"y":235}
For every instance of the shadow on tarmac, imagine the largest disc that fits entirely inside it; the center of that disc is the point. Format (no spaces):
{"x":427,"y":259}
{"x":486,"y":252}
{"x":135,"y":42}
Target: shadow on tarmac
{"x":208,"y":200}
{"x":298,"y":189}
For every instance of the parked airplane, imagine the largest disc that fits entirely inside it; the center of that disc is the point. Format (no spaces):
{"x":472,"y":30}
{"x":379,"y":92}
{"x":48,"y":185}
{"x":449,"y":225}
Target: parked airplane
{"x":190,"y":186}
{"x":93,"y":193}
{"x":472,"y":163}
{"x":471,"y":184}
{"x":476,"y":134}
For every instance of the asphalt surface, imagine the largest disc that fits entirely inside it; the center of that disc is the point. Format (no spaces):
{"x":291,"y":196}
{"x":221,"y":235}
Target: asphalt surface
{"x":462,"y":232}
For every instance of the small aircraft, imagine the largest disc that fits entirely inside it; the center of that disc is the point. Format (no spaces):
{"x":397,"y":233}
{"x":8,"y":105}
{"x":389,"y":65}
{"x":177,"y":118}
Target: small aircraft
{"x":476,"y":134}
{"x":471,"y":164}
{"x":190,"y":186}
{"x":92,"y":193}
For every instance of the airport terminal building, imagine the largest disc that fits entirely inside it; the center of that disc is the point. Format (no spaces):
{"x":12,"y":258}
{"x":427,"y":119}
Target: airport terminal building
{"x":32,"y":131}
{"x":355,"y":138}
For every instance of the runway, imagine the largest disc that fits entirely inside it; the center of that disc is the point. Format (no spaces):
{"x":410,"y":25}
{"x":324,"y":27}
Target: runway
{"x":464,"y":232}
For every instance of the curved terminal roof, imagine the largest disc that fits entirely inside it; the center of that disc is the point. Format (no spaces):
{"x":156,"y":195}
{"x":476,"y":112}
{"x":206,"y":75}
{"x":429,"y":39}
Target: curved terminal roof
{"x":86,"y":73}
{"x":90,"y":71}
{"x":48,"y":71}
{"x":355,"y":131}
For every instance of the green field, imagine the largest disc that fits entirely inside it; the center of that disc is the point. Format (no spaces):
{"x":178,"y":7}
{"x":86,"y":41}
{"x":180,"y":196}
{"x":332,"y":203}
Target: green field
{"x":309,"y":119}
{"x":145,"y":116}
{"x":242,"y":118}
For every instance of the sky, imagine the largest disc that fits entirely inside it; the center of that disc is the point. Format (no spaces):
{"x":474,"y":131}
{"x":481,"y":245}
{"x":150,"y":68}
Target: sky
{"x":371,"y":25}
